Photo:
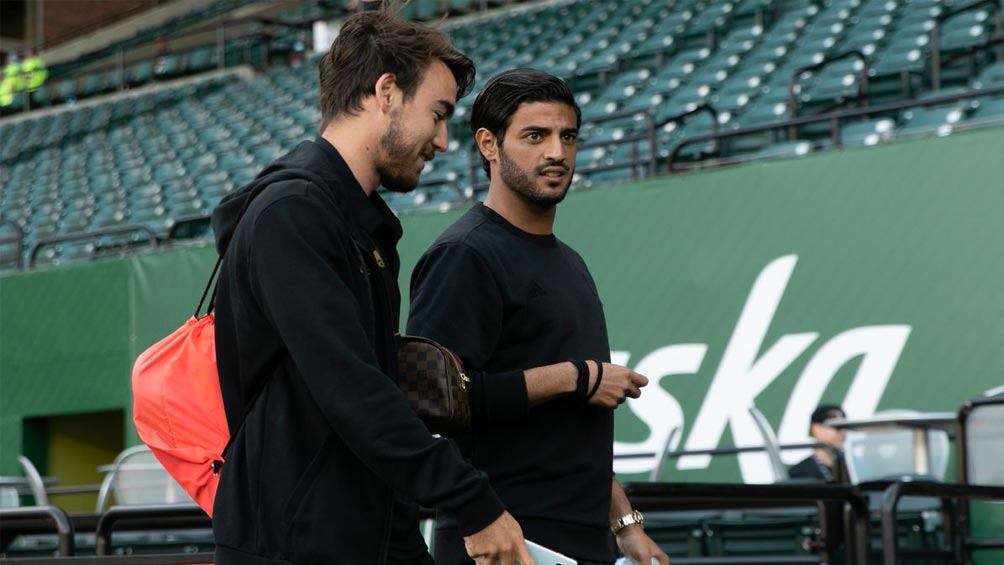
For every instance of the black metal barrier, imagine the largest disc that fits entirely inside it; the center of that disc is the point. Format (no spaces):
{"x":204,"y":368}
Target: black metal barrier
{"x":699,"y":496}
{"x":39,"y":519}
{"x":172,"y":559}
{"x":956,"y":533}
{"x":774,"y":560}
{"x":147,"y":517}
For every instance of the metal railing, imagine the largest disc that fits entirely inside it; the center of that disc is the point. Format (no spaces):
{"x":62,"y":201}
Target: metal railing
{"x":190,"y":222}
{"x":833,"y":117}
{"x":164,"y":559}
{"x":78,"y":236}
{"x":950,"y":494}
{"x":840,"y":470}
{"x":17,"y":240}
{"x":40,"y":519}
{"x":692,"y":496}
{"x":145,"y":517}
{"x":935,"y":35}
{"x":862,"y":96}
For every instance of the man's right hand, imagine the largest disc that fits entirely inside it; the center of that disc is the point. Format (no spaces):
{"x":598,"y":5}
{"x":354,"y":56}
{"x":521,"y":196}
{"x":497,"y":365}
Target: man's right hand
{"x":499,"y":543}
{"x":618,"y":384}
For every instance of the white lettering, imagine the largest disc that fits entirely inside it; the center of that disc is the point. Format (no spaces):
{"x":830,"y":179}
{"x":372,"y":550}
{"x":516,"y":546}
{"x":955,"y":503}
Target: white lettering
{"x":741,"y":376}
{"x":744,"y":373}
{"x":657,"y":408}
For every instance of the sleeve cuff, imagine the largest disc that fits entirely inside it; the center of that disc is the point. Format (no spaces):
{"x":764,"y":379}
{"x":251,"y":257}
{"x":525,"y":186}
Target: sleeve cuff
{"x":498,"y":397}
{"x":480,"y":512}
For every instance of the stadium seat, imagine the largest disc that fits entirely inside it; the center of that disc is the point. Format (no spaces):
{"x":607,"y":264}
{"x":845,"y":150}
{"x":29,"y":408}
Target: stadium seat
{"x":748,"y":536}
{"x":136,"y":477}
{"x":91,"y":84}
{"x":889,"y":455}
{"x":140,"y":73}
{"x":990,"y":77}
{"x":679,"y":534}
{"x":870,"y":132}
{"x":191,"y":145}
{"x":784,"y":150}
{"x":990,"y":109}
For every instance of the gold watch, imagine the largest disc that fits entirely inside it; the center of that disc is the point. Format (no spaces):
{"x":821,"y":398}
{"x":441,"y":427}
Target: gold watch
{"x":625,"y":521}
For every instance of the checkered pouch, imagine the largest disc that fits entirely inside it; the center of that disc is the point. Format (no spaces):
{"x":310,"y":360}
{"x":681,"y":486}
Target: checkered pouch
{"x":433,"y":379}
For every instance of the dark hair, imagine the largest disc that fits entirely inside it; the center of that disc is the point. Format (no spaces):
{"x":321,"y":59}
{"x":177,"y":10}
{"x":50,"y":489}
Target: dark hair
{"x":502,"y":96}
{"x":825,"y":412}
{"x":375,"y":42}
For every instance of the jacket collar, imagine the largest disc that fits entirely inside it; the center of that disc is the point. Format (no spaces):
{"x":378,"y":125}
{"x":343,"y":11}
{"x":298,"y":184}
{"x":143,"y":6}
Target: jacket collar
{"x":371,"y":214}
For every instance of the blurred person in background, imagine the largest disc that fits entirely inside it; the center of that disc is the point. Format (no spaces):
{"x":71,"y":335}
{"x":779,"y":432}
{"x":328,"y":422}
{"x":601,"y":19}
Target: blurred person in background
{"x":820,"y":465}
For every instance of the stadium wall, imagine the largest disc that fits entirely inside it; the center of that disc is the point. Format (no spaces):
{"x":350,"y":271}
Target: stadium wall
{"x":867,"y":277}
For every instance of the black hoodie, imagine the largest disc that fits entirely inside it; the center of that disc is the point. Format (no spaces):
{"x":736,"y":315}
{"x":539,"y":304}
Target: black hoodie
{"x":306,"y":313}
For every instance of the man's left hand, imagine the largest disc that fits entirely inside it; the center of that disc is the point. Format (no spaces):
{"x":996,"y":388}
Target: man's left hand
{"x":635,"y":544}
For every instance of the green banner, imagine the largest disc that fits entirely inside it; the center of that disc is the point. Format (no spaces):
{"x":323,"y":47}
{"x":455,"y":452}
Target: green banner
{"x":866,"y":277}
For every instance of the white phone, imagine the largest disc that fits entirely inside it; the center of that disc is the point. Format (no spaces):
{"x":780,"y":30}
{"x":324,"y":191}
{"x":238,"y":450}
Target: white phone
{"x":545,"y":556}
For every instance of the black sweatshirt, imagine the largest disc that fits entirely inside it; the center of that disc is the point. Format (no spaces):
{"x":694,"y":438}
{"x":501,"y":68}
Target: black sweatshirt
{"x":507,"y":301}
{"x":303,"y":337}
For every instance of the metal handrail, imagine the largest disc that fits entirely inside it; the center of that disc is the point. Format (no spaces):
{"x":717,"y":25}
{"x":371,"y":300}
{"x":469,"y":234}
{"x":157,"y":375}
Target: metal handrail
{"x":185,"y":221}
{"x":146,"y":517}
{"x":724,"y":450}
{"x":16,"y":239}
{"x":935,"y":34}
{"x":126,"y":228}
{"x":893,"y":492}
{"x":797,"y":75}
{"x":840,"y":475}
{"x":152,"y":559}
{"x":26,"y":518}
{"x":673,"y":496}
{"x":682,"y":116}
{"x":834,"y":118}
{"x":970,"y":51}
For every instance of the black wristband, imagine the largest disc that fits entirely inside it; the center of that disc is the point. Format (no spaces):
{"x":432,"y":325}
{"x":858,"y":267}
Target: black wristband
{"x":599,"y":378}
{"x":582,"y":382}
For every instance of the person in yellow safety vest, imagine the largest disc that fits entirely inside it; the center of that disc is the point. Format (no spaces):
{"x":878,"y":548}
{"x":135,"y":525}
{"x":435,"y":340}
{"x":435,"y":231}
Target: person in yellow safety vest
{"x":11,"y":80}
{"x":34,"y":72}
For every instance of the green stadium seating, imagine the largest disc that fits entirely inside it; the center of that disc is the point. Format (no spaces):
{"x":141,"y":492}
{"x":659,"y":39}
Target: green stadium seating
{"x":753,"y":536}
{"x":989,"y":109}
{"x":178,"y":151}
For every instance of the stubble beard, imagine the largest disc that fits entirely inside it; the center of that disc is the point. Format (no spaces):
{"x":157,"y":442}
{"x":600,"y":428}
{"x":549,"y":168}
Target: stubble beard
{"x":522,"y":184}
{"x":395,"y":151}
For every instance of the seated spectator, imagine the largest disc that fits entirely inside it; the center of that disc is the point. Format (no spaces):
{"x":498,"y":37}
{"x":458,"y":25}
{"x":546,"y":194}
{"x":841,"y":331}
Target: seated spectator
{"x":820,"y":464}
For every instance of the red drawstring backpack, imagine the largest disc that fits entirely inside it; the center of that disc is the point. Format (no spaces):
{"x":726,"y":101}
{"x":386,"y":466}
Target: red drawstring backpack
{"x":177,"y":403}
{"x":178,"y":407}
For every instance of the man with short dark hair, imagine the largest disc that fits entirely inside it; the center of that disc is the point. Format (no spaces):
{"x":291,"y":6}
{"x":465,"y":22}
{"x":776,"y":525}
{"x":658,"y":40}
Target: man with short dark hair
{"x":820,"y":464}
{"x":522,"y":311}
{"x":324,"y":443}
